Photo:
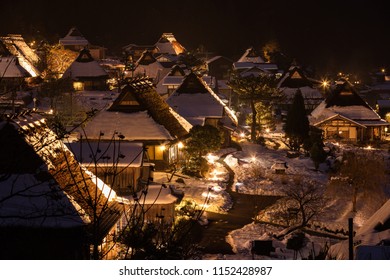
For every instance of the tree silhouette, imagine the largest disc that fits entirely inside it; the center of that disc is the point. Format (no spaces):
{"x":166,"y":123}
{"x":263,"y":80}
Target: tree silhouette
{"x":297,"y":124}
{"x":254,"y":89}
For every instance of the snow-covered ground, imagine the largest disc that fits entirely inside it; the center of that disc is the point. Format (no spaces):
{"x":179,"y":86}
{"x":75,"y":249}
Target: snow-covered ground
{"x":254,"y":174}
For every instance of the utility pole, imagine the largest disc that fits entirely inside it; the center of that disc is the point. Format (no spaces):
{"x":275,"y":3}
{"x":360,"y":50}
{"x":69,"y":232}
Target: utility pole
{"x":350,"y":238}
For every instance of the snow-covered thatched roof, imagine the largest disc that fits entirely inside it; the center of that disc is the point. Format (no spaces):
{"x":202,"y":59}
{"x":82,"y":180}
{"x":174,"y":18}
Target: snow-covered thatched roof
{"x":168,"y":44}
{"x":196,"y":101}
{"x":139,"y":114}
{"x":251,"y":55}
{"x":85,"y":67}
{"x":91,"y":153}
{"x":16,"y":45}
{"x":371,"y":237}
{"x":135,"y":126}
{"x":296,"y":78}
{"x":42,"y":184}
{"x":74,"y":38}
{"x":344,"y":101}
{"x":10,"y":68}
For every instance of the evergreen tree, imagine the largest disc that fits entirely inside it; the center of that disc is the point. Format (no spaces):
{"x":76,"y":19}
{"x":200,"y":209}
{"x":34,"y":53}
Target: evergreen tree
{"x":297,"y":124}
{"x":202,"y":140}
{"x":317,"y":154}
{"x":254,"y":89}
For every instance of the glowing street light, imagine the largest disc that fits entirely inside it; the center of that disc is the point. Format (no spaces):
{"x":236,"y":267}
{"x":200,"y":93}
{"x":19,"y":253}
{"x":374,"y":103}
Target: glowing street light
{"x":180,"y":145}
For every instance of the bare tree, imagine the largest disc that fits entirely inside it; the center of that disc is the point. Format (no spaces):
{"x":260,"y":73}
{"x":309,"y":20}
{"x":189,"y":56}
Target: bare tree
{"x":307,"y":197}
{"x":364,"y":172}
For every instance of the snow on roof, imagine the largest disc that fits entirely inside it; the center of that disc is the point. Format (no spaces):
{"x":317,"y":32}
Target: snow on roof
{"x":124,"y":154}
{"x":28,"y":205}
{"x":18,"y":47}
{"x":372,"y":233}
{"x":178,"y":80}
{"x":356,"y":113}
{"x":249,"y":65}
{"x":95,"y":99}
{"x":133,"y":126}
{"x":168,"y":44}
{"x":74,"y":37}
{"x":62,"y":175}
{"x":85,"y":69}
{"x":185,"y":124}
{"x":310,"y":95}
{"x":172,"y":80}
{"x":10,"y":68}
{"x":156,"y":195}
{"x":213,"y":59}
{"x":195,"y":105}
{"x":203,"y":104}
{"x":380,"y":217}
{"x":251,"y":55}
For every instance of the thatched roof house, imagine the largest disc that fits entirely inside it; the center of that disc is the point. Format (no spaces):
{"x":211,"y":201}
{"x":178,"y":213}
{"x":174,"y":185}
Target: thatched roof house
{"x":345,"y":116}
{"x":141,"y":115}
{"x":47,"y":199}
{"x":86,"y":73}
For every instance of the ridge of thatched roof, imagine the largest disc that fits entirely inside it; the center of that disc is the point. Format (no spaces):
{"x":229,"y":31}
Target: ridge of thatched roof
{"x":295,"y":78}
{"x":139,"y":95}
{"x":345,"y":94}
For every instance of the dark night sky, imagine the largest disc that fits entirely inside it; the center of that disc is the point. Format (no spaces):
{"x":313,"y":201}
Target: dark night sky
{"x":337,"y":35}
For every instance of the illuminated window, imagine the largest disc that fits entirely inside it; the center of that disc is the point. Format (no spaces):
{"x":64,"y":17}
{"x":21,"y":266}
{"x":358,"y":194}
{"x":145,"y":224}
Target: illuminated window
{"x":78,"y":86}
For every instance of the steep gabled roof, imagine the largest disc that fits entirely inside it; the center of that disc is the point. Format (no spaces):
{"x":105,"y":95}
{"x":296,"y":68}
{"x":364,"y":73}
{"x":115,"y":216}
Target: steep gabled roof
{"x":177,"y":71}
{"x":59,"y":192}
{"x":192,"y":84}
{"x":84,"y":56}
{"x":344,"y":95}
{"x":16,"y":45}
{"x":74,"y":37}
{"x":146,"y":58}
{"x":85,"y":67}
{"x":346,"y":102}
{"x":168,"y":44}
{"x":130,"y":100}
{"x":195,"y":100}
{"x":139,"y":100}
{"x":295,"y":78}
{"x":10,"y":68}
{"x":251,"y":55}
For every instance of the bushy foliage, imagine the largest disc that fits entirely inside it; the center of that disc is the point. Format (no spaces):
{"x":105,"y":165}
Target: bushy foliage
{"x":202,"y":140}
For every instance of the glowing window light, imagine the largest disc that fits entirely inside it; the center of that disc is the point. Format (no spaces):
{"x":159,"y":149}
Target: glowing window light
{"x":180,"y":145}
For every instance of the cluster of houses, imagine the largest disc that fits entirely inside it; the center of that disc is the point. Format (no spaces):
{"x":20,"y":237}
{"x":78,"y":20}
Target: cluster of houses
{"x":83,"y":187}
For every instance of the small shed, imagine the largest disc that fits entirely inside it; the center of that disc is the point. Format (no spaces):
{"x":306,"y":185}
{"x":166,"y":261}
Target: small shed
{"x":279,"y":167}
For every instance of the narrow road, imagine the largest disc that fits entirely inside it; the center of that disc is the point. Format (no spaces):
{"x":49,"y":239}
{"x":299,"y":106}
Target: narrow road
{"x":244,"y":208}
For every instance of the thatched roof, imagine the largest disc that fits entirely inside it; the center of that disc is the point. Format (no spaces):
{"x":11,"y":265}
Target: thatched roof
{"x":295,"y":78}
{"x":30,"y":146}
{"x":344,"y":94}
{"x":140,"y":95}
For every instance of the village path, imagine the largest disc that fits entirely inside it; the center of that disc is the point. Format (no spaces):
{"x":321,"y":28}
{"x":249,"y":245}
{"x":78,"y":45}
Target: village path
{"x":244,"y":208}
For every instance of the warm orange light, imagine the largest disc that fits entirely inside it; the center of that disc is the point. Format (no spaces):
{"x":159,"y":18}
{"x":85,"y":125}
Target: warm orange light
{"x":180,"y":145}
